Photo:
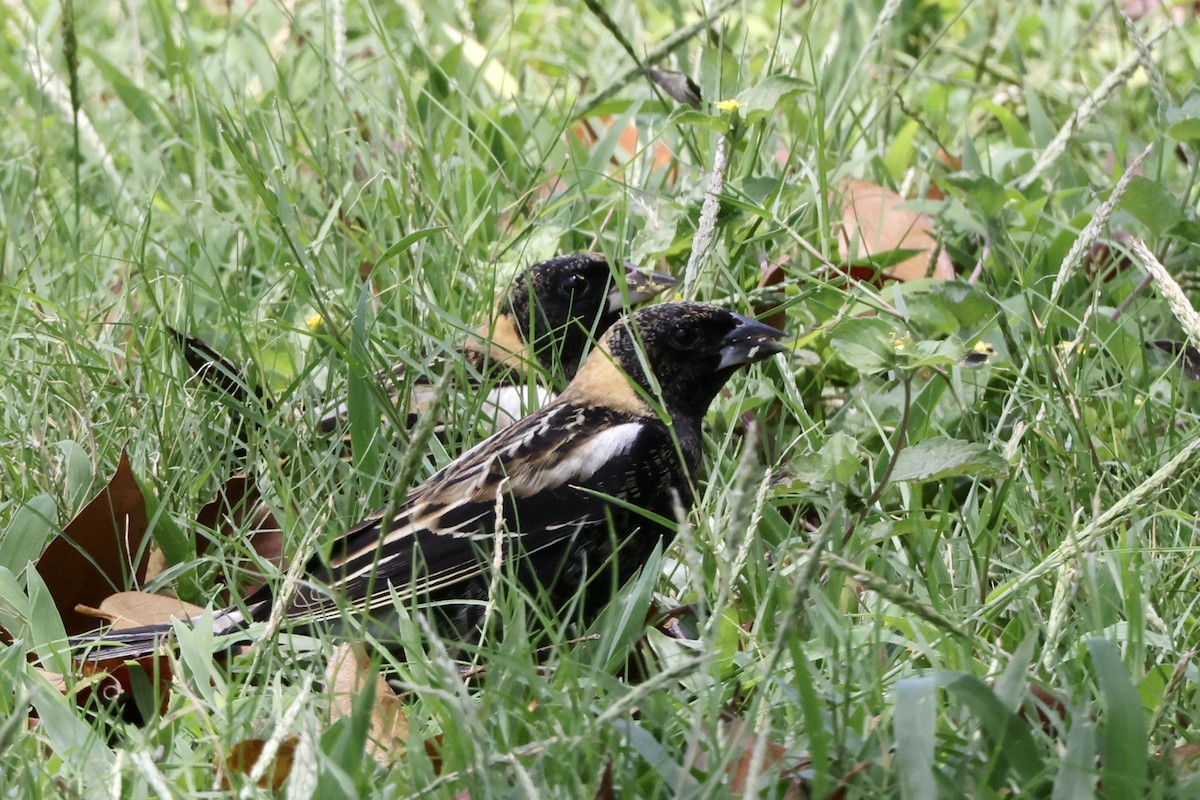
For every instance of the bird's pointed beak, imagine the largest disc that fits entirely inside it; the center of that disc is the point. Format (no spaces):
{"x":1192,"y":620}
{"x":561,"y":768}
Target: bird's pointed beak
{"x":750,"y":341}
{"x":640,"y":286}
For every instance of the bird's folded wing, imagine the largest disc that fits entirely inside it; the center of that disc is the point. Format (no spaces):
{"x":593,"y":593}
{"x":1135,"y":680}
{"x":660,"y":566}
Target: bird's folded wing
{"x":535,"y":485}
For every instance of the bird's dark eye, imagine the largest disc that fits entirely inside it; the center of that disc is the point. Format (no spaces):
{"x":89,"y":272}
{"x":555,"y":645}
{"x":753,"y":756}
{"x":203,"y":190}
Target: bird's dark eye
{"x":684,"y":338}
{"x":574,"y":285}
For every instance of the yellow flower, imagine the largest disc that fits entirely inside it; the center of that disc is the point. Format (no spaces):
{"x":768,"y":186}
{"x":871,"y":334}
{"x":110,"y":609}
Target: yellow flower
{"x":728,"y":105}
{"x":314,"y":321}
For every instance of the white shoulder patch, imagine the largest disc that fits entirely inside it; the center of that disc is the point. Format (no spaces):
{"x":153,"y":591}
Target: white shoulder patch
{"x":582,"y":461}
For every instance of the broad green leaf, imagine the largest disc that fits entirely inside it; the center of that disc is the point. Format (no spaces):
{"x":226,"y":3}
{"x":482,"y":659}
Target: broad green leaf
{"x":656,"y":756}
{"x":940,"y":458}
{"x":47,"y":635}
{"x":84,"y":753}
{"x":864,"y":344}
{"x":1184,"y":120}
{"x":362,"y":409}
{"x":1077,"y":775}
{"x":1152,"y":205}
{"x":984,"y":193}
{"x":1006,"y":733}
{"x":78,"y":468}
{"x":762,"y":99}
{"x":1125,"y":748}
{"x":914,"y":735}
{"x":700,"y":119}
{"x":934,"y":353}
{"x":32,"y":526}
{"x":178,"y":546}
{"x":1186,"y":130}
{"x":836,"y":462}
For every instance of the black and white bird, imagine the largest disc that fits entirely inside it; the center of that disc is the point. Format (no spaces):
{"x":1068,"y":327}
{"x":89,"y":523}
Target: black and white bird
{"x":539,"y":330}
{"x":571,"y":500}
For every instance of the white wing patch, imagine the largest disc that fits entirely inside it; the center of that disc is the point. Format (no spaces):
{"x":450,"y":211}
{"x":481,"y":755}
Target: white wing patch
{"x":582,"y":462}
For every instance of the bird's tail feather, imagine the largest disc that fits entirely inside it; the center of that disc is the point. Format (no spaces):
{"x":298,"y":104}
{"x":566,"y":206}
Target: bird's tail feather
{"x":134,"y":643}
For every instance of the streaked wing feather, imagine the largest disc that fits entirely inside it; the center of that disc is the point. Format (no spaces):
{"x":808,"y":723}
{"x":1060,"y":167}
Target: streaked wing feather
{"x":530,"y":471}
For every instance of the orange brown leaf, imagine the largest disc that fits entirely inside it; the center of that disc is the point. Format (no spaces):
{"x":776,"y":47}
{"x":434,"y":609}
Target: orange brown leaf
{"x":136,"y":609}
{"x":239,"y":506}
{"x":101,"y":550}
{"x":874,"y":221}
{"x":348,"y":673}
{"x":245,"y":754}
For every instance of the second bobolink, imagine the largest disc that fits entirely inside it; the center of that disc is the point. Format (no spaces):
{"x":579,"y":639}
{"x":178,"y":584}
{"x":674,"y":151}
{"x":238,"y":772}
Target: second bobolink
{"x":539,"y":330}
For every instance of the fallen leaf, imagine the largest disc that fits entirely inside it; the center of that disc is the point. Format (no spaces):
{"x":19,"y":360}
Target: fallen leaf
{"x":1186,"y":757}
{"x":348,"y":673}
{"x":100,"y":551}
{"x":156,"y":564}
{"x":433,"y":749}
{"x":773,"y":756}
{"x":245,"y":754}
{"x":771,"y":274}
{"x":1050,"y":710}
{"x":1177,"y":12}
{"x":952,"y":164}
{"x":605,"y":790}
{"x":110,"y":683}
{"x":238,"y":507}
{"x":627,"y":144}
{"x":136,"y":609}
{"x":874,"y":222}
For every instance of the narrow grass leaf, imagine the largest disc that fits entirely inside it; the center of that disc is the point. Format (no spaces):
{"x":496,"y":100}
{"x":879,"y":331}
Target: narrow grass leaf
{"x":1010,"y":741}
{"x":657,"y":757}
{"x":408,"y":241}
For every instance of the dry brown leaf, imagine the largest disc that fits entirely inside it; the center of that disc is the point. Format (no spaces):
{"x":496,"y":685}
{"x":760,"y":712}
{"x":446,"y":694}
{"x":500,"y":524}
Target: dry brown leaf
{"x":605,"y":790}
{"x":239,"y":506}
{"x":110,"y":684}
{"x":348,"y":673}
{"x":1186,"y":757}
{"x":951,"y":163}
{"x":771,"y":274}
{"x":156,"y":564}
{"x":773,"y":755}
{"x":627,"y":144}
{"x":873,"y":221}
{"x":101,"y":685}
{"x":136,"y":609}
{"x":245,"y":754}
{"x":1177,"y":12}
{"x":96,"y":552}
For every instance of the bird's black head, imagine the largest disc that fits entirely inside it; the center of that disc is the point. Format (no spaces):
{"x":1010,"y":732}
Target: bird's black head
{"x":561,"y":305}
{"x":691,"y":349}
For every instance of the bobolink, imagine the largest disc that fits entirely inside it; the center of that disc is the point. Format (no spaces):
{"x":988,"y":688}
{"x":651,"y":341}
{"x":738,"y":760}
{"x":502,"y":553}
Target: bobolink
{"x":539,"y":331}
{"x":574,"y":495}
